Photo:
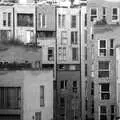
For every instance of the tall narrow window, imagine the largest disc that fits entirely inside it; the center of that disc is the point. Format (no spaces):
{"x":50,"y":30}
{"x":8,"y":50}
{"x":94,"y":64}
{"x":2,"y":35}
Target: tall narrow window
{"x":62,"y":101}
{"x":85,"y":69}
{"x":74,"y":37}
{"x":50,"y":54}
{"x":61,"y":20}
{"x":102,"y":47}
{"x":64,"y":37}
{"x":103,"y":69}
{"x":112,"y":112}
{"x":63,"y":84}
{"x":104,"y":13}
{"x":103,"y":113}
{"x":111,"y":47}
{"x":75,"y":86}
{"x":42,"y":95}
{"x":115,"y":14}
{"x":73,"y":21}
{"x":105,"y":91}
{"x":74,"y":54}
{"x":9,"y":19}
{"x":4,"y":18}
{"x":92,"y":88}
{"x":42,"y":20}
{"x":93,"y":14}
{"x":85,"y":19}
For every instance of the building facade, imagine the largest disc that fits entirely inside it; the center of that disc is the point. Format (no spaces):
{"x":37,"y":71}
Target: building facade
{"x":103,"y":38}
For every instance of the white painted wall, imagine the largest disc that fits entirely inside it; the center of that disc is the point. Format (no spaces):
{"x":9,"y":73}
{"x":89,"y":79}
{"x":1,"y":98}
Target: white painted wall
{"x":32,"y":82}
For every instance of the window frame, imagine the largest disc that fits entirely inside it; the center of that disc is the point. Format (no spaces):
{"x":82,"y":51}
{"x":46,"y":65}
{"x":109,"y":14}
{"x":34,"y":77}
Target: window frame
{"x":76,"y":57}
{"x":74,"y":37}
{"x":104,"y":114}
{"x":52,"y":55}
{"x":99,"y":53}
{"x":104,"y":92}
{"x":112,"y":15}
{"x":95,"y":16}
{"x":103,"y":70}
{"x":73,"y":23}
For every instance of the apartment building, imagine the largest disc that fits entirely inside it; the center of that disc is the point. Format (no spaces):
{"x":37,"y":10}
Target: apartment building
{"x":70,"y":62}
{"x":103,"y":38}
{"x":46,"y":33}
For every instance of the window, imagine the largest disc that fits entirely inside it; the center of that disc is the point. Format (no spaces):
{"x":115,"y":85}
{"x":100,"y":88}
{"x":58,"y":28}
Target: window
{"x":42,"y":95}
{"x":73,"y":21}
{"x":112,"y":112}
{"x":105,"y":91}
{"x":10,"y":97}
{"x":92,"y":88}
{"x":9,"y":19}
{"x":61,"y":20}
{"x":115,"y":14}
{"x":93,"y":14}
{"x":50,"y":54}
{"x":103,"y":69}
{"x":85,"y":53}
{"x":4,"y":18}
{"x":75,"y":86}
{"x":45,"y":34}
{"x":74,"y":37}
{"x":85,"y":37}
{"x":86,"y":104}
{"x":74,"y":54}
{"x":111,"y":47}
{"x":103,"y":113}
{"x":64,"y":37}
{"x":104,"y":13}
{"x":62,"y":53}
{"x":42,"y":20}
{"x":25,"y":20}
{"x":85,"y":69}
{"x":62,"y":101}
{"x":85,"y":19}
{"x":102,"y":47}
{"x":30,"y":36}
{"x":92,"y":107}
{"x":63,"y":84}
{"x":37,"y":115}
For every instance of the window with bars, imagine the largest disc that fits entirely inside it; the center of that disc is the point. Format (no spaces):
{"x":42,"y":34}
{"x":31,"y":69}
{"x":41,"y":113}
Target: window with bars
{"x":73,"y":21}
{"x":102,"y":47}
{"x":10,"y":97}
{"x":74,"y":37}
{"x":115,"y":14}
{"x":93,"y":14}
{"x":105,"y":91}
{"x":103,"y":69}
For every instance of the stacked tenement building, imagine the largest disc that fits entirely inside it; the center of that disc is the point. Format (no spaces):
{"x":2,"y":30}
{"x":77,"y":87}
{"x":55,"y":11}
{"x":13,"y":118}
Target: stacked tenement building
{"x":79,"y":43}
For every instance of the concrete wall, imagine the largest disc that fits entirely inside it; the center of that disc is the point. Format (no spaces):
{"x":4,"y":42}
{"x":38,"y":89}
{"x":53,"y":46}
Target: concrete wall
{"x":32,"y":82}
